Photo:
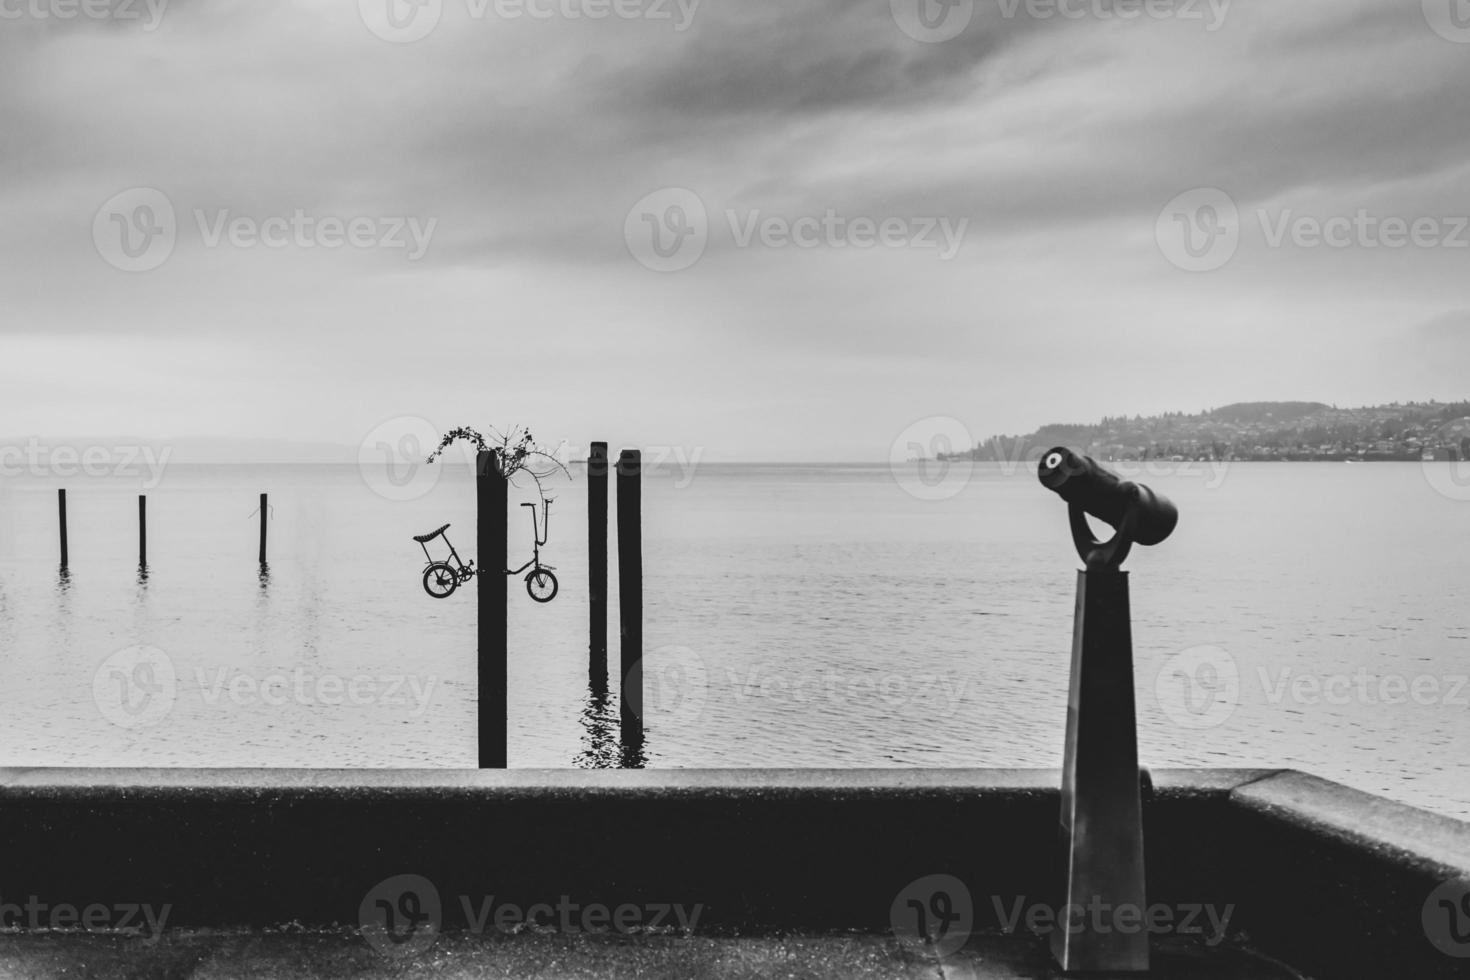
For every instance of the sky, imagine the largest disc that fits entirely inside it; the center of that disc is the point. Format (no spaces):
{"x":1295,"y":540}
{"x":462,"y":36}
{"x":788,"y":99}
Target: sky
{"x":762,"y":231}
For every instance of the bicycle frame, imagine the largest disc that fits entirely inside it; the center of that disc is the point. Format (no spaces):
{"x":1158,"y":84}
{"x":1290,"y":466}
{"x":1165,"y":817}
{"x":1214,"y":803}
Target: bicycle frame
{"x":453,"y":554}
{"x":539,"y":535}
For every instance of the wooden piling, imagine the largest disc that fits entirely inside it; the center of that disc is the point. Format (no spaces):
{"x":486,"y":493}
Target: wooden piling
{"x":264,"y":505}
{"x":597,"y":472}
{"x":142,"y":531}
{"x":61,"y":507}
{"x":492,"y":545}
{"x":630,"y":597}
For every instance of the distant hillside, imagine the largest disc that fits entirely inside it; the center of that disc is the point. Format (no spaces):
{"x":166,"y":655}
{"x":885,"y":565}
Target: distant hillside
{"x":1252,"y":413}
{"x":1259,"y":430}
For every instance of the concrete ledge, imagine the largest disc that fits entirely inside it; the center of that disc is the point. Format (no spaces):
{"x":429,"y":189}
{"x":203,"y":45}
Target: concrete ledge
{"x":1358,"y":821}
{"x":1336,"y":881}
{"x":1329,"y":880}
{"x":384,"y":783}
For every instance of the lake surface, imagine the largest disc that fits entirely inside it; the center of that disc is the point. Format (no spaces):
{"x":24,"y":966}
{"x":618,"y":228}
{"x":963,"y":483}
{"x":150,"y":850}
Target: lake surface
{"x":1305,"y":615}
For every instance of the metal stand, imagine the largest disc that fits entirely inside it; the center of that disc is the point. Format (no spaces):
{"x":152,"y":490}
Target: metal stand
{"x":1102,"y":812}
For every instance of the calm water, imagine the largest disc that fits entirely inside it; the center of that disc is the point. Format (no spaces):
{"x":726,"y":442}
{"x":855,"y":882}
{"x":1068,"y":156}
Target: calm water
{"x":1310,"y":616}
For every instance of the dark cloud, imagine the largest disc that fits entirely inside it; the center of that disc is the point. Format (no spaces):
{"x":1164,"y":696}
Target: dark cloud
{"x":817,"y":58}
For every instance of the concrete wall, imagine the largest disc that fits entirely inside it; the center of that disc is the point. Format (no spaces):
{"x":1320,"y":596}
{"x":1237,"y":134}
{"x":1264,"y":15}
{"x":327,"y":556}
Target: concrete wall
{"x":1332,"y":881}
{"x":1335,"y":881}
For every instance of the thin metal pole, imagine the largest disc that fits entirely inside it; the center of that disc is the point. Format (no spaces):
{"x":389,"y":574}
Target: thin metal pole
{"x":142,"y":531}
{"x":264,"y":504}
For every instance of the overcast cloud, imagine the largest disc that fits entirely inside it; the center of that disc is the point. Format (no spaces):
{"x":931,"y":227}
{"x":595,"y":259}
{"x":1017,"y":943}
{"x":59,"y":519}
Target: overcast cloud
{"x":494,"y":166}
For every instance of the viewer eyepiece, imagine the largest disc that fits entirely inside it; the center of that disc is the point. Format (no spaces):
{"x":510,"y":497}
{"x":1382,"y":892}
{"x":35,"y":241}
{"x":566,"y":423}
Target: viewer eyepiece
{"x":1086,"y":483}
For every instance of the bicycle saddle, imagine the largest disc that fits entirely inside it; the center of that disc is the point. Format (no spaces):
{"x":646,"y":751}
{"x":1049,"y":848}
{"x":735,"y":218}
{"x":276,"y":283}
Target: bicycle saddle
{"x":426,"y":538}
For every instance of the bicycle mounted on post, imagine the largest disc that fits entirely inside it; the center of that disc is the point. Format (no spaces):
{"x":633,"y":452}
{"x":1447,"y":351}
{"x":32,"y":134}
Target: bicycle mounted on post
{"x":442,"y":578}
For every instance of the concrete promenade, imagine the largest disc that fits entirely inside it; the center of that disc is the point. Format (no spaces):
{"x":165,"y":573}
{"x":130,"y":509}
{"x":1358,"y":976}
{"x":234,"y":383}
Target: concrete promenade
{"x":560,"y":957}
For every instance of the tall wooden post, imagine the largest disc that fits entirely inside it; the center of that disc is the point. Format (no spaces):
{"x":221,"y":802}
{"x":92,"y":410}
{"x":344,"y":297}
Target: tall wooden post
{"x":630,"y":596}
{"x":61,"y":506}
{"x":142,"y":531}
{"x":491,"y":543}
{"x":264,"y":505}
{"x":597,"y":468}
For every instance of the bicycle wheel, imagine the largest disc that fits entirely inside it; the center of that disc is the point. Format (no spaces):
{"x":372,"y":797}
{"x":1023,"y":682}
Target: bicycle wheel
{"x":542,"y":585}
{"x":440,"y":580}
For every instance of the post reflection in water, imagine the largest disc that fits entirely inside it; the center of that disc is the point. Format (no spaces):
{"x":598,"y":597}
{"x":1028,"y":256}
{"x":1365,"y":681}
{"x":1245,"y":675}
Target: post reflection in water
{"x":63,"y":609}
{"x":263,"y":606}
{"x":600,"y":748}
{"x":634,"y":757}
{"x":602,"y":745}
{"x":142,"y":609}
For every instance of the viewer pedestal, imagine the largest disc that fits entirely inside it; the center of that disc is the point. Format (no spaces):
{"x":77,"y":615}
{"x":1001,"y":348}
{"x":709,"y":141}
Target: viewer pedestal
{"x":1102,"y":813}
